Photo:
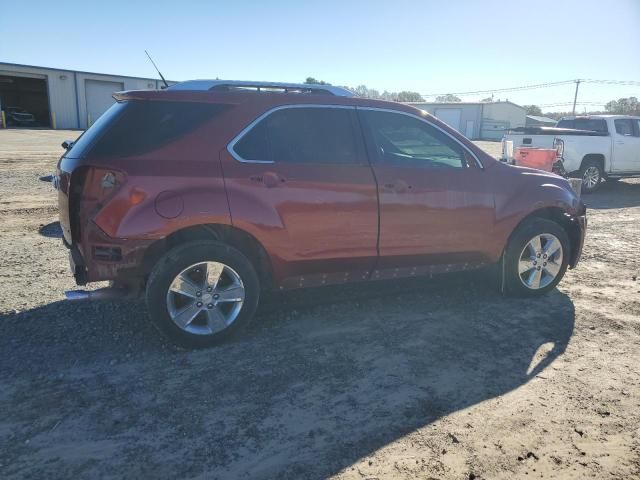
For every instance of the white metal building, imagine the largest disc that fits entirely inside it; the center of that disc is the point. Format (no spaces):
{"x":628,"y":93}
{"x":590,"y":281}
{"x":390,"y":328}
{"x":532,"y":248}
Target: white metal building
{"x":538,"y":121}
{"x":61,"y":98}
{"x":478,"y":120}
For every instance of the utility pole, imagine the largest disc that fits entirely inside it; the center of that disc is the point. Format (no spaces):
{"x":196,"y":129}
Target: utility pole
{"x":575,"y":98}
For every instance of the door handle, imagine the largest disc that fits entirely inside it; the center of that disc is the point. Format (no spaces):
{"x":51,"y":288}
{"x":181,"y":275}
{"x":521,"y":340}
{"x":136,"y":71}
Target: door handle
{"x":399,"y":186}
{"x":268,"y":179}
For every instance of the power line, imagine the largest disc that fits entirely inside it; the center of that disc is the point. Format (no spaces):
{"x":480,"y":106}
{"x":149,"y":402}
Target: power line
{"x":535,"y":86}
{"x":508,"y":89}
{"x":561,"y":104}
{"x":615,"y":82}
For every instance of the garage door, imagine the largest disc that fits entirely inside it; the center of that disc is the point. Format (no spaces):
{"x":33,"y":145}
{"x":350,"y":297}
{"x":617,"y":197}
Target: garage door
{"x":450,"y":116}
{"x":24,"y":100}
{"x":99,"y":97}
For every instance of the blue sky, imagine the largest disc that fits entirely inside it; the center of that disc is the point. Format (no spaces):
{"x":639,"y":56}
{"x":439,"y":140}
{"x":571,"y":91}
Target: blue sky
{"x":424,"y":46}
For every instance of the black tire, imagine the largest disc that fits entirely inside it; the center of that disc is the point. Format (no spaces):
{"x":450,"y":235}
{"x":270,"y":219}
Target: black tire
{"x":514,"y":285}
{"x":591,"y":166}
{"x":179,"y":259}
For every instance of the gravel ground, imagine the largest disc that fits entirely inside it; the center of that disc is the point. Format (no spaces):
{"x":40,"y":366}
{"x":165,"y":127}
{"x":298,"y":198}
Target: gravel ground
{"x":440,"y":380}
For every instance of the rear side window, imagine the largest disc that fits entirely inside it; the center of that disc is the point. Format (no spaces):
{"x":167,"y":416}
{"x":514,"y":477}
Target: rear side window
{"x":303,"y":135}
{"x":147,"y":126}
{"x":593,"y":124}
{"x":624,"y":127}
{"x":134,"y":128}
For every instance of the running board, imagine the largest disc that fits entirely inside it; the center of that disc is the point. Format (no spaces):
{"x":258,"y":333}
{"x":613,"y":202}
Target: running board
{"x":99,"y":294}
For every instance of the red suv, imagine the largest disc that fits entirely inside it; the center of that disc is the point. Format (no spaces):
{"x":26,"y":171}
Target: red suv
{"x":210,"y":193}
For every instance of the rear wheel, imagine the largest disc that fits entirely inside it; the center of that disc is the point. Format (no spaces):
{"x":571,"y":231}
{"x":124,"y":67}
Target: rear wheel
{"x":536,"y":258}
{"x":202,"y":292}
{"x":591,"y":174}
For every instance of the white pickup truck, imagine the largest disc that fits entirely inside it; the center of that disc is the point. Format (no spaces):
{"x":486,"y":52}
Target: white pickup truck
{"x":594,"y":147}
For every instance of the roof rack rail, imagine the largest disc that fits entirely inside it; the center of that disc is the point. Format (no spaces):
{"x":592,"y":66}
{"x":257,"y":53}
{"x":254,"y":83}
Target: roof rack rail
{"x":234,"y":85}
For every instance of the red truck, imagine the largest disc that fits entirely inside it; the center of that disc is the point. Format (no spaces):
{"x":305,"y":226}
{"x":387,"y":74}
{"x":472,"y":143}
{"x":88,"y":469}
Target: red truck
{"x":208,"y":194}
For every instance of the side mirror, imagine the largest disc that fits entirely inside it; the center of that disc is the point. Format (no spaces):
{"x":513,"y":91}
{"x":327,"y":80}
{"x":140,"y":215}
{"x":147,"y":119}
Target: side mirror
{"x":67,"y":144}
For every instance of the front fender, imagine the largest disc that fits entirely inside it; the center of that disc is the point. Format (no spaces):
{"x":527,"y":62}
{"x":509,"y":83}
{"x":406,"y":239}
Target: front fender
{"x":513,"y":206}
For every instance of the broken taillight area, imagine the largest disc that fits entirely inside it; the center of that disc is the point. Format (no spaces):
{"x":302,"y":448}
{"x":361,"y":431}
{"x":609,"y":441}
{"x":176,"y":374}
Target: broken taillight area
{"x":101,"y":184}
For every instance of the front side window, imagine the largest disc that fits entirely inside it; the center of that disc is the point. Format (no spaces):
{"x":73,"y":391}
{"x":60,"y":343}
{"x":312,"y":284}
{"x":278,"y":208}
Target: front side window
{"x":302,"y":135}
{"x":624,"y":127}
{"x":403,"y":139}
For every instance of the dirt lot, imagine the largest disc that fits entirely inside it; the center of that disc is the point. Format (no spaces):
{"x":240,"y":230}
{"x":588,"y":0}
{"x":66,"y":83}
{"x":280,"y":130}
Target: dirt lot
{"x":441,"y":379}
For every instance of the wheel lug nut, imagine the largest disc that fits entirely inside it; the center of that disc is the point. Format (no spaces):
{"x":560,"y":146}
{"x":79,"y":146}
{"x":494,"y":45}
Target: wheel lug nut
{"x":210,"y":305}
{"x":544,"y":264}
{"x":538,"y":255}
{"x":216,"y":296}
{"x":538,"y":267}
{"x":209,"y":289}
{"x":199,"y":304}
{"x":198,"y":294}
{"x":535,"y":263}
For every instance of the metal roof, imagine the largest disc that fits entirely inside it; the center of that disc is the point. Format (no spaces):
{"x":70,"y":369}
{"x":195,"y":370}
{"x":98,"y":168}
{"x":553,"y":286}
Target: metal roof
{"x":538,"y":118}
{"x":453,"y":104}
{"x":20,"y":65}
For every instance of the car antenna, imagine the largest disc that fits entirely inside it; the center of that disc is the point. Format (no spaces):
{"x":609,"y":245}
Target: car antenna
{"x":166,"y":85}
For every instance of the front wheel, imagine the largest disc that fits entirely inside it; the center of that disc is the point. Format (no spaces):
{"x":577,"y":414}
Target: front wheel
{"x":200,"y":293}
{"x":536,"y":258}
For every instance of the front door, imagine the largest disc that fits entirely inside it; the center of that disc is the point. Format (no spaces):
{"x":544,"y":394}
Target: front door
{"x":300,"y":182}
{"x":626,"y":145}
{"x":436,"y":203}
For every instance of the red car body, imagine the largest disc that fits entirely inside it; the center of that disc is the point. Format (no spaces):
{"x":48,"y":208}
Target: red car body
{"x":304,"y":224}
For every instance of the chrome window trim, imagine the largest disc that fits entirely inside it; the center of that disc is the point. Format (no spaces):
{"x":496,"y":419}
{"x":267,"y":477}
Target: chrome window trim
{"x":248,"y":128}
{"x":399,"y":112}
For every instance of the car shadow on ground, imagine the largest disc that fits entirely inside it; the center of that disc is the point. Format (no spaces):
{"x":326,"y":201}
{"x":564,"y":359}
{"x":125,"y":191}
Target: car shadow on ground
{"x":323,"y":379}
{"x":620,"y":194}
{"x":51,"y":230}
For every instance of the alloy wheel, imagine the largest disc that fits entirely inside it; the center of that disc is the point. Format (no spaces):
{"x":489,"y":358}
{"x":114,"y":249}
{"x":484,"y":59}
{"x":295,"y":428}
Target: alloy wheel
{"x":205,"y":298}
{"x":540,"y":261}
{"x":591,"y":177}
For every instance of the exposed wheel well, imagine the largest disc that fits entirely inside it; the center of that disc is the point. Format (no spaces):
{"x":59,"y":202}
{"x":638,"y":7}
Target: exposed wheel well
{"x":557,"y":215}
{"x":598,"y":158}
{"x":232,"y":236}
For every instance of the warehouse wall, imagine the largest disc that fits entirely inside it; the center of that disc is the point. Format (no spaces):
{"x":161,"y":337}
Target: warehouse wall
{"x":67,"y":90}
{"x":60,"y":91}
{"x":468,"y":112}
{"x":506,"y":111}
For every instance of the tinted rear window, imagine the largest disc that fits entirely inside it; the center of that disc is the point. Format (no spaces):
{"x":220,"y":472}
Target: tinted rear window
{"x":83,"y":144}
{"x":593,"y":124}
{"x":134,"y":128}
{"x":303,"y":135}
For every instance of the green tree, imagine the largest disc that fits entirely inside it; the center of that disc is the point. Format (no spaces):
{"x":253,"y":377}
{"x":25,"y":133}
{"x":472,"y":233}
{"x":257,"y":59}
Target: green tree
{"x":314,"y":81}
{"x":448,"y":98}
{"x":406,"y":96}
{"x":533,"y":110}
{"x":624,"y":106}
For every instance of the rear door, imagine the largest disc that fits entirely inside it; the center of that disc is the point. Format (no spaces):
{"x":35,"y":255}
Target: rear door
{"x":626,"y":145}
{"x":436,"y":203}
{"x":298,"y":179}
